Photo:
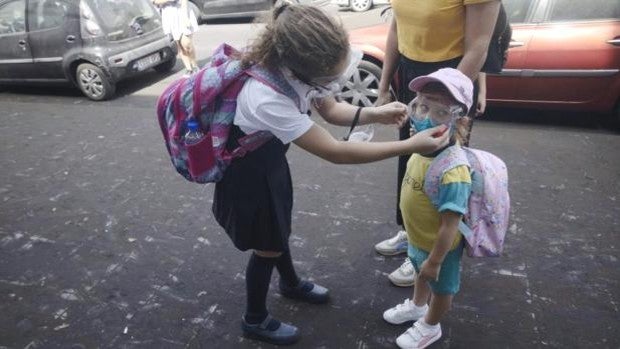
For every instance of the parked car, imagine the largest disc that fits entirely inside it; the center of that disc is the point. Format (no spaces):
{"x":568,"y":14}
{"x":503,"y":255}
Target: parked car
{"x":216,"y":9}
{"x":360,"y":5}
{"x":564,"y":55}
{"x":91,"y":44}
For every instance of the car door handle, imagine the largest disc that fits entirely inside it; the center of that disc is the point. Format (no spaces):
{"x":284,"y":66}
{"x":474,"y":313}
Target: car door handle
{"x":615,"y":42}
{"x":21,"y":43}
{"x":70,"y":38}
{"x":514,"y":43}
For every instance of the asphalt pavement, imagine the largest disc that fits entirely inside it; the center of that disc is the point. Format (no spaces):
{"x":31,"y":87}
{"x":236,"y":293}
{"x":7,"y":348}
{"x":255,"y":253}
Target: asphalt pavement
{"x":103,"y":245}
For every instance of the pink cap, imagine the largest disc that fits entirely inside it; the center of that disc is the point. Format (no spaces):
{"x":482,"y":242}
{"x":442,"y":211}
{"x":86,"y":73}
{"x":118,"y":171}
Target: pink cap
{"x":459,"y":85}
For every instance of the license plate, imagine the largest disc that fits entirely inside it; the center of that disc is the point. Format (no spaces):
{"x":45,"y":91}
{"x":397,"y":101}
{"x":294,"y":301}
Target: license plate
{"x":148,"y":61}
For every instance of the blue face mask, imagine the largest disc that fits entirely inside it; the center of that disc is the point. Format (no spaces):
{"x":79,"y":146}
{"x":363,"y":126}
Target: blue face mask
{"x":421,"y":125}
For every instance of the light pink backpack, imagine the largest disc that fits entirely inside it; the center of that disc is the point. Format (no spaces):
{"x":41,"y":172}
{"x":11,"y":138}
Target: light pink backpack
{"x":486,"y":222}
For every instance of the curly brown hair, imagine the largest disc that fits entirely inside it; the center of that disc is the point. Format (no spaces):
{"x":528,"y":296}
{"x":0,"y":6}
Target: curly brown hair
{"x":302,"y":38}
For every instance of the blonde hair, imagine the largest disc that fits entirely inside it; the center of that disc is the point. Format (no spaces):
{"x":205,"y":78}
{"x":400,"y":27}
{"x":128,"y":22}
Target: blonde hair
{"x":302,"y":38}
{"x":461,"y":124}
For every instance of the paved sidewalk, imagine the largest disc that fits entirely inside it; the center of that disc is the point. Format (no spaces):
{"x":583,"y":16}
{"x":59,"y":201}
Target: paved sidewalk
{"x":102,"y":245}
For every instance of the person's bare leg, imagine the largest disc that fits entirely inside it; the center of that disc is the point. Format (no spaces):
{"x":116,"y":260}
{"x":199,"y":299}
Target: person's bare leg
{"x":188,"y":50}
{"x":440,"y":304}
{"x":186,"y":61}
{"x":421,"y":292}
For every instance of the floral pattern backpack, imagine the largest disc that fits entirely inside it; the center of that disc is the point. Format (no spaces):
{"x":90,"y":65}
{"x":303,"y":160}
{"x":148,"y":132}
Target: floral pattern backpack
{"x":486,"y":222}
{"x":210,"y":98}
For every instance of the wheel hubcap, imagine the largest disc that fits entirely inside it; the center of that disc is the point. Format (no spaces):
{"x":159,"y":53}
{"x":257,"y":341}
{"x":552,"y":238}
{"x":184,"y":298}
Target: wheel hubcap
{"x":362,"y":89}
{"x":91,"y":82}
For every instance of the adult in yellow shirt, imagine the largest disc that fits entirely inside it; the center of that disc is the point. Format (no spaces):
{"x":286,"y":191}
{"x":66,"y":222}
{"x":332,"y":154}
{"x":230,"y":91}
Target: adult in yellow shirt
{"x":424,"y":36}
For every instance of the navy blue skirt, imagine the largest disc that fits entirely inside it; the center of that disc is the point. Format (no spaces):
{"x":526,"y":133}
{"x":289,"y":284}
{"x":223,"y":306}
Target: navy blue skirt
{"x":254,"y":200}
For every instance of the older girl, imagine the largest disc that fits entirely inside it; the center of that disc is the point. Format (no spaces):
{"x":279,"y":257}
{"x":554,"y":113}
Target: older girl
{"x":253,"y":202}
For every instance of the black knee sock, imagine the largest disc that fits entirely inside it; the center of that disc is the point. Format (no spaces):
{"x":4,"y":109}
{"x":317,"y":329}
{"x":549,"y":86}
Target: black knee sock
{"x":257,"y":278}
{"x":285,"y":267}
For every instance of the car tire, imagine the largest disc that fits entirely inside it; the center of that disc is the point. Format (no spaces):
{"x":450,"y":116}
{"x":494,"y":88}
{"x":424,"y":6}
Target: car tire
{"x":362,"y":89}
{"x":167,"y":66}
{"x":361,"y":5}
{"x":93,"y":83}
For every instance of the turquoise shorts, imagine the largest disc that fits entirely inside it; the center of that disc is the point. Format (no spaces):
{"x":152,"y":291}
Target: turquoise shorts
{"x":449,"y":274}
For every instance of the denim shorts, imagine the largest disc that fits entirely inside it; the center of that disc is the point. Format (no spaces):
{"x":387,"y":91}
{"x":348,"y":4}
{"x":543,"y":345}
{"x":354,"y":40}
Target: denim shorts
{"x":449,"y":274}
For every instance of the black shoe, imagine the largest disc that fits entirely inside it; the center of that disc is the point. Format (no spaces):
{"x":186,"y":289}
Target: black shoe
{"x":306,"y":291}
{"x":281,"y":334}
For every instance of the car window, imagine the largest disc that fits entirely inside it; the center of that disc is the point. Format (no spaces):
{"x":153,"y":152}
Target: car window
{"x":45,"y":14}
{"x":580,"y":10}
{"x":13,"y":17}
{"x":516,"y":10}
{"x":125,"y":18}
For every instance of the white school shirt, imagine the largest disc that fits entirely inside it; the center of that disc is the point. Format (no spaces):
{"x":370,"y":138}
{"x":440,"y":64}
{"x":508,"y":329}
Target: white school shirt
{"x":261,"y":108}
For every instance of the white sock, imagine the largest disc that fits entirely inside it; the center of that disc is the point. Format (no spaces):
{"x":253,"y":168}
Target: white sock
{"x":428,"y":326}
{"x":420,"y":308}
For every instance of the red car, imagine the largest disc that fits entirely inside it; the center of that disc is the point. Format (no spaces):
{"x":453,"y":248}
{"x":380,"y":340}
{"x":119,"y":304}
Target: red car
{"x":564,"y":55}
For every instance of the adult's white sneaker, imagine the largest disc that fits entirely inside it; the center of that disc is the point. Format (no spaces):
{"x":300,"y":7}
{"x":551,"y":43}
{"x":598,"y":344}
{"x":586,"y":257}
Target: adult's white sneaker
{"x":403,"y":312}
{"x":419,"y":336}
{"x":395,"y":245}
{"x":404,"y":276}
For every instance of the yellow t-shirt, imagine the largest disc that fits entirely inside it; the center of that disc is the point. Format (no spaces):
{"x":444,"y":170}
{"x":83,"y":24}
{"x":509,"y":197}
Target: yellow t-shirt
{"x":420,"y":217}
{"x":431,"y":30}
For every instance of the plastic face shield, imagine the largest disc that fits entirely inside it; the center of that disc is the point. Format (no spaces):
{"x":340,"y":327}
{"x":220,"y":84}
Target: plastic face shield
{"x":438,"y":113}
{"x":353,"y":60}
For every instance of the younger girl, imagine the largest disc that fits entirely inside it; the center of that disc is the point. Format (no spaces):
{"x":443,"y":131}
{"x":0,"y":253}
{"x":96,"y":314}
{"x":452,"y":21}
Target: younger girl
{"x":253,"y":201}
{"x":435,"y":244}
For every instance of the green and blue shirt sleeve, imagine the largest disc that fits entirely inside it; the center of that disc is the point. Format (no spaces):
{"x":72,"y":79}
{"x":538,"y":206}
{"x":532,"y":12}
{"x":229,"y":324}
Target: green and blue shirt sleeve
{"x":454,"y":190}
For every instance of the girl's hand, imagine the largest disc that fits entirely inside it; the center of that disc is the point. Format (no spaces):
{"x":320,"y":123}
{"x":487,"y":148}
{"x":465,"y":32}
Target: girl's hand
{"x":430,"y":140}
{"x":394,"y":113}
{"x":430,"y":271}
{"x":385,"y":97}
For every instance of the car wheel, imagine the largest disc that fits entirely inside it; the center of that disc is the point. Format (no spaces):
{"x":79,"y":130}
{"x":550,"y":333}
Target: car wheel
{"x":93,"y":82}
{"x":167,"y":66}
{"x":361,"y":5}
{"x":362,"y":89}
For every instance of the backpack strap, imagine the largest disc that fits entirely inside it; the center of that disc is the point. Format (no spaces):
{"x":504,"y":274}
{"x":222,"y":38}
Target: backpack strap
{"x":276,"y":80}
{"x":447,"y":160}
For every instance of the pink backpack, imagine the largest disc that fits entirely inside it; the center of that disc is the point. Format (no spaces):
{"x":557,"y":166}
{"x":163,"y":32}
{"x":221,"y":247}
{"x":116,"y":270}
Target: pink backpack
{"x":210,"y":98}
{"x":486,"y":222}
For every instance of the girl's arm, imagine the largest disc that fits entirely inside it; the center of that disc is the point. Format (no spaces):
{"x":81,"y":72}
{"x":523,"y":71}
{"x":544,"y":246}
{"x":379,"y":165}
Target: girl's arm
{"x":390,"y":63}
{"x":446,"y":235}
{"x":342,"y":113}
{"x":479,"y":24}
{"x":482,"y":94}
{"x":322,"y":144}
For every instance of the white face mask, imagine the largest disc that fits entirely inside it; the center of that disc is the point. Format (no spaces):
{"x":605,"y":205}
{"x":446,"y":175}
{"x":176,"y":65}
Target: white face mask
{"x":362,"y":133}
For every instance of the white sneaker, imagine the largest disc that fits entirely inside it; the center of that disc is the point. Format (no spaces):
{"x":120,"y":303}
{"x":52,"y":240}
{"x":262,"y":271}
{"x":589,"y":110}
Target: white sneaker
{"x":406,"y":311}
{"x":419,"y":336}
{"x":404,"y":276}
{"x":393,"y":246}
